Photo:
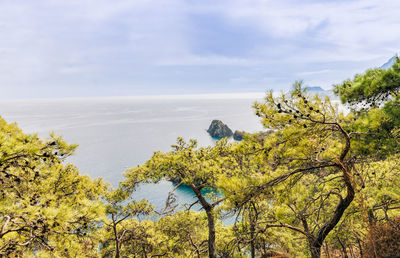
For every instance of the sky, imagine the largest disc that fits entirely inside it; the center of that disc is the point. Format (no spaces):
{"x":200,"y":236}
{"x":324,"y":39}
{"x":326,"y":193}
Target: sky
{"x":84,"y":48}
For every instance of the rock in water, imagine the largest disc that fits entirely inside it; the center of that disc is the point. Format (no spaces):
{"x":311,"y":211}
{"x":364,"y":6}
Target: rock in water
{"x":238,"y":135}
{"x":218,"y":129}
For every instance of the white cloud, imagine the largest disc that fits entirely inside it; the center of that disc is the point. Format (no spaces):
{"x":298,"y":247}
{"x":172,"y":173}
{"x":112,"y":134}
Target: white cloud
{"x":314,"y":72}
{"x":55,"y":42}
{"x":196,"y":60}
{"x":369,"y":27}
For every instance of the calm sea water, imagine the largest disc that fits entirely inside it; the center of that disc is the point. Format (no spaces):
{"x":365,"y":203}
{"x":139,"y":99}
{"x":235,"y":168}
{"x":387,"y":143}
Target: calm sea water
{"x":118,"y":133}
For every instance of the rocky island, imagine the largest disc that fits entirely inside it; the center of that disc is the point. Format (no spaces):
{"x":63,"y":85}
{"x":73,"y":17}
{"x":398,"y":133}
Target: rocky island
{"x":218,"y":129}
{"x":238,"y":135}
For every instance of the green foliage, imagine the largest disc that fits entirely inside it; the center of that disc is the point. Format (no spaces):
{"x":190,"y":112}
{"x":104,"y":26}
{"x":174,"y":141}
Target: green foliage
{"x":187,"y":164}
{"x":45,"y":206}
{"x":134,"y":238}
{"x":317,"y":181}
{"x":183,"y":234}
{"x":371,"y":88}
{"x":198,"y":168}
{"x":374,"y":98}
{"x":121,"y":225}
{"x":302,"y":172}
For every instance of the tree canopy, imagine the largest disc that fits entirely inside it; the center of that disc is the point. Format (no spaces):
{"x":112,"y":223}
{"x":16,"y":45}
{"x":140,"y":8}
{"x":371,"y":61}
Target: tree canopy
{"x":316,"y":182}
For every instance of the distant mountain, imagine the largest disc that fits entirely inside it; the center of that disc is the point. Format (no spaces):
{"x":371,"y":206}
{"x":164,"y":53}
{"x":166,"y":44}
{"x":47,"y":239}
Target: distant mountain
{"x":390,"y":62}
{"x":321,"y":92}
{"x":314,"y":88}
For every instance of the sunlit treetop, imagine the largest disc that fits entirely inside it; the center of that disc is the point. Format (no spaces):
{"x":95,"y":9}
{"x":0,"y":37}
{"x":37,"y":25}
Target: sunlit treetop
{"x":306,"y":127}
{"x":372,"y":88}
{"x":188,"y":163}
{"x":374,"y":98}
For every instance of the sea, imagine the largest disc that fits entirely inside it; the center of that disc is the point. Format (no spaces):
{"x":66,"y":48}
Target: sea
{"x":117,"y":133}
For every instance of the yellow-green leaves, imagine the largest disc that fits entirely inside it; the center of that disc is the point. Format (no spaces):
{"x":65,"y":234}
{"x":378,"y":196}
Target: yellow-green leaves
{"x":44,"y":205}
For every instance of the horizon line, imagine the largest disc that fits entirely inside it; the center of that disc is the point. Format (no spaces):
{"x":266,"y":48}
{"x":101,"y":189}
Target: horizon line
{"x":230,"y":95}
{"x":236,"y":95}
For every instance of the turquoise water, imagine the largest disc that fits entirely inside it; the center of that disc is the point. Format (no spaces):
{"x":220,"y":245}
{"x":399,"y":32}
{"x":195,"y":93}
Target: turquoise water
{"x":118,"y":133}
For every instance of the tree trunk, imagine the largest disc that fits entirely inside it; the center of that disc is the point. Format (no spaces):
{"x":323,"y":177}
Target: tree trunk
{"x":116,"y":238}
{"x":253,"y":221}
{"x":315,"y":245}
{"x":212,"y":253}
{"x":315,"y":249}
{"x":252,"y":243}
{"x":343,"y":203}
{"x":211,"y":234}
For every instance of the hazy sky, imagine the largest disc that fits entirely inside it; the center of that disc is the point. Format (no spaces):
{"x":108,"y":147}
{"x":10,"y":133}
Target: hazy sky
{"x":78,"y":48}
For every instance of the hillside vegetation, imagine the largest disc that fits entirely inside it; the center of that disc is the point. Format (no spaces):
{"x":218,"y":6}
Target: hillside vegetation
{"x":321,"y":183}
